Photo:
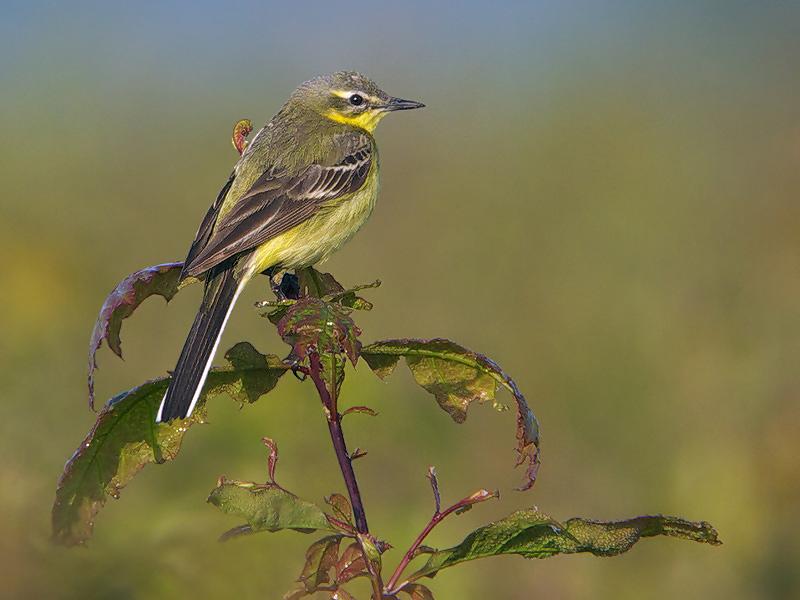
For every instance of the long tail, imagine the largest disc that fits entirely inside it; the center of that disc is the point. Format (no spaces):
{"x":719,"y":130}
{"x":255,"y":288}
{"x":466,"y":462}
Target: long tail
{"x":222,"y":290}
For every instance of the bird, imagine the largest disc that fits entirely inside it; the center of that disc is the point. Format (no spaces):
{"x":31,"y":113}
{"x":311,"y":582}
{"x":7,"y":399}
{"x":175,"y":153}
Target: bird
{"x":303,"y":186}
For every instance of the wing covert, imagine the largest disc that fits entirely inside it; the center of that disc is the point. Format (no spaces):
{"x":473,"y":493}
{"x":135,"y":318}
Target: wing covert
{"x":275,"y":203}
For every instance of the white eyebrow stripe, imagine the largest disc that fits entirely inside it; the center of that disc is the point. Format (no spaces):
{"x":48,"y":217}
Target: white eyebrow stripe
{"x":347,"y":93}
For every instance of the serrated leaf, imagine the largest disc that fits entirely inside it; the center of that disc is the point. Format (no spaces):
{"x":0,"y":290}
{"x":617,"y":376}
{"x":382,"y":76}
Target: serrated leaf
{"x":321,"y":556}
{"x":457,"y":377}
{"x":532,"y":534}
{"x":126,"y":437}
{"x":314,"y":323}
{"x":161,"y":280}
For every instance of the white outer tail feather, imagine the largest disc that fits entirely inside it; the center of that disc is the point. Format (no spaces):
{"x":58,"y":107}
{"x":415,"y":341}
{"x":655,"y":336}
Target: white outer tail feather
{"x":207,"y":368}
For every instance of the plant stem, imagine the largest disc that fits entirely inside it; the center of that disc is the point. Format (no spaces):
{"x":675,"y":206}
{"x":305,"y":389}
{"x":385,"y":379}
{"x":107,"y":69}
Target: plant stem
{"x":438,"y":516}
{"x":339,"y":445}
{"x":329,"y":401}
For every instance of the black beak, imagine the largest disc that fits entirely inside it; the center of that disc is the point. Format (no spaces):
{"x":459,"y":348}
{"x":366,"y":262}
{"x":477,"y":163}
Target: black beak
{"x":400,"y":104}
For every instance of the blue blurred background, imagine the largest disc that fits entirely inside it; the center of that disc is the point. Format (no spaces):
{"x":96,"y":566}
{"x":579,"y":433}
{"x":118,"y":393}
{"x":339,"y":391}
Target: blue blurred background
{"x":603,"y":196}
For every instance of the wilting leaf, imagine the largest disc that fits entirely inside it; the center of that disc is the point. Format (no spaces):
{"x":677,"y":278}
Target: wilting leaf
{"x":532,"y":534}
{"x":323,"y":285}
{"x":126,"y":437}
{"x":241,"y":130}
{"x":340,"y":507}
{"x":317,"y":284}
{"x":321,"y":556}
{"x":267,"y":506}
{"x":366,"y":410}
{"x":312,"y":322}
{"x":457,"y":377}
{"x":351,"y":564}
{"x":313,"y":283}
{"x":351,"y":300}
{"x":161,"y":280}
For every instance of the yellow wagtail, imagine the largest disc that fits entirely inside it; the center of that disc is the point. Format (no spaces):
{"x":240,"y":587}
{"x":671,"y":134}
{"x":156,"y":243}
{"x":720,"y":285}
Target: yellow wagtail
{"x":305,"y":184}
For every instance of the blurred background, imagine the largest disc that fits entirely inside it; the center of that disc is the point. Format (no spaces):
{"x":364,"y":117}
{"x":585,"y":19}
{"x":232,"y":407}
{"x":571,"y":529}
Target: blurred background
{"x":603,"y":196}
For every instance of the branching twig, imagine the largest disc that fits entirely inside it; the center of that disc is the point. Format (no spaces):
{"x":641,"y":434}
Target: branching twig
{"x":438,"y":515}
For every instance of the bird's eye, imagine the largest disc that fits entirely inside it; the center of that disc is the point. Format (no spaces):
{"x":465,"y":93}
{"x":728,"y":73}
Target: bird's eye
{"x":356,"y":100}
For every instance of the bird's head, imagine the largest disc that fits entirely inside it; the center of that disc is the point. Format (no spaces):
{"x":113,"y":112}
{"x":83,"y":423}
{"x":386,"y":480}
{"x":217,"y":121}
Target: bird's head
{"x":349,"y":98}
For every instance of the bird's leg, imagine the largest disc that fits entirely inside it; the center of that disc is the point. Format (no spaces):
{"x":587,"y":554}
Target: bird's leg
{"x":283,"y":284}
{"x":290,"y":286}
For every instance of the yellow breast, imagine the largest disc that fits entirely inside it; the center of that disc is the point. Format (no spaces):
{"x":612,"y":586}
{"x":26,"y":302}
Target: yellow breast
{"x":316,"y":239}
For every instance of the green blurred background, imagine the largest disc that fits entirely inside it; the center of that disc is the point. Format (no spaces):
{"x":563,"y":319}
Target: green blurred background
{"x":602,"y":196}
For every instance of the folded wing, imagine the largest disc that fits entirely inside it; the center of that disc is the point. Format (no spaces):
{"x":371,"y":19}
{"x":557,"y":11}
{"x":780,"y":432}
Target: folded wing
{"x":276,"y":203}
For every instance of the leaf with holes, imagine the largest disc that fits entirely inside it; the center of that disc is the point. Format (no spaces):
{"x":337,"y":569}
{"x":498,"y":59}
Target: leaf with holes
{"x":532,"y":534}
{"x":126,"y":437}
{"x":457,"y":377}
{"x":314,"y":323}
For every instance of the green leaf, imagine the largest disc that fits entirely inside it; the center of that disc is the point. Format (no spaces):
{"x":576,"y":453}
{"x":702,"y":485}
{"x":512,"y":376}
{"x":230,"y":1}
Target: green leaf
{"x":126,"y":437}
{"x":372,"y":549}
{"x":161,"y":280}
{"x":324,"y":286}
{"x":532,"y":534}
{"x":267,"y":506}
{"x":321,"y":556}
{"x":314,"y":323}
{"x":457,"y":377}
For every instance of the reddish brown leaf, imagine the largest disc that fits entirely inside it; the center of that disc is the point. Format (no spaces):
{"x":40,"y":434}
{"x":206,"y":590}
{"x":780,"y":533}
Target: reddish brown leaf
{"x":314,"y":323}
{"x":240,"y":132}
{"x":161,"y":280}
{"x":351,"y":564}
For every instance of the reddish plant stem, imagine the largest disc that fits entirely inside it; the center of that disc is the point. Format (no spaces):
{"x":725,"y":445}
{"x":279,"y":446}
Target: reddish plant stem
{"x":337,"y":437}
{"x":409,"y":555}
{"x":329,"y":401}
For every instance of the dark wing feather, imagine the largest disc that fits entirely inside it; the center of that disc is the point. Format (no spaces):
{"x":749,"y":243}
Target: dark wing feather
{"x":207,"y":226}
{"x":275,"y":204}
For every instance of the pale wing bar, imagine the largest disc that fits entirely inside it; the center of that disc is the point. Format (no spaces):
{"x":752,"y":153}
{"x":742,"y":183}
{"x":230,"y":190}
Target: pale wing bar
{"x":277,"y":203}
